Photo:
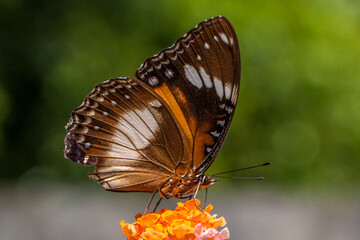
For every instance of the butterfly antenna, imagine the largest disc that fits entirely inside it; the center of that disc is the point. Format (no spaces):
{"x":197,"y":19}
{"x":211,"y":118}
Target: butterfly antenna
{"x":240,"y":169}
{"x":242,"y":178}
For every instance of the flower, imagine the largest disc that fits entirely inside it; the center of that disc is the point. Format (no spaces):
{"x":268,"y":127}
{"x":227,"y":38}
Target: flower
{"x":187,"y":221}
{"x":201,"y":232}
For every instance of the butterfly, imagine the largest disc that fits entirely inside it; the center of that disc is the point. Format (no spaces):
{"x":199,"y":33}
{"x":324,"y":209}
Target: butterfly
{"x":161,"y":131}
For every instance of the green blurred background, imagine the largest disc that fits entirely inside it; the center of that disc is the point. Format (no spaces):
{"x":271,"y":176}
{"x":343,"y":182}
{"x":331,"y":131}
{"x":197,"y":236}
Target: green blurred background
{"x":299,"y":97}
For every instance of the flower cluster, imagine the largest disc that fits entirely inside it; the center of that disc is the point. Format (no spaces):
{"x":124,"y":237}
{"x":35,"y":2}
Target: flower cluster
{"x":187,"y":221}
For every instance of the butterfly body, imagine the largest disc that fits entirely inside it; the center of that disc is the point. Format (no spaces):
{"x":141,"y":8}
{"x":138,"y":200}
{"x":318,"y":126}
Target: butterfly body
{"x":182,"y":186}
{"x":161,"y":131}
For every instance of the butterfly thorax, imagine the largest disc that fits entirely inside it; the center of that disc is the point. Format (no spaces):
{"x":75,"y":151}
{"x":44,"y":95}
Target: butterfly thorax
{"x":182,"y":186}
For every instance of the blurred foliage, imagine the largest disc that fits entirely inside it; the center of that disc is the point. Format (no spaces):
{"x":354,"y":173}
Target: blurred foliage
{"x":299,"y":97}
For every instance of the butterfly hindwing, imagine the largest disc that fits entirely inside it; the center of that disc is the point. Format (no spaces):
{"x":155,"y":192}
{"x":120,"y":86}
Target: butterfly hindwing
{"x":199,"y":77}
{"x":129,"y":133}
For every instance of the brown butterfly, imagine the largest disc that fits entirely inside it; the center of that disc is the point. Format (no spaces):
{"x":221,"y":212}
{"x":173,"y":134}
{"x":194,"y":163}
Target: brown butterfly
{"x":161,"y":131}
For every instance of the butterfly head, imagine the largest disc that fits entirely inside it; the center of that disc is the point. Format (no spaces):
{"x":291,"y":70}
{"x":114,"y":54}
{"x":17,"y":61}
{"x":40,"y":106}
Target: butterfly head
{"x":207,"y":181}
{"x":180,"y":186}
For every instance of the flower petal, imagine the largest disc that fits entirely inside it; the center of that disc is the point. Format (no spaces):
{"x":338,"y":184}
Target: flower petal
{"x":153,"y":235}
{"x":190,"y":205}
{"x":181,"y":231}
{"x":224,"y":234}
{"x":220,"y":222}
{"x":149,"y":219}
{"x":208,"y":233}
{"x":208,"y":208}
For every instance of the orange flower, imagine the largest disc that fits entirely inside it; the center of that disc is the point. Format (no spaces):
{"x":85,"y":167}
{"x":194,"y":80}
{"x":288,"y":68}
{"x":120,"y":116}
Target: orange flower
{"x":185,"y":222}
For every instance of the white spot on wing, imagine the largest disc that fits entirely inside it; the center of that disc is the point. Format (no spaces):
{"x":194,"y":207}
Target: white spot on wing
{"x":215,"y":134}
{"x":155,"y":103}
{"x":215,"y":38}
{"x":227,"y":91}
{"x":86,"y":159}
{"x":169,"y":73}
{"x":91,"y":112}
{"x":135,"y":120}
{"x":206,"y":45}
{"x":153,"y":81}
{"x":198,"y":58}
{"x":206,"y":78}
{"x":219,"y":87}
{"x":99,"y":98}
{"x":221,"y":122}
{"x":224,"y":38}
{"x":229,"y":109}
{"x":192,"y":76}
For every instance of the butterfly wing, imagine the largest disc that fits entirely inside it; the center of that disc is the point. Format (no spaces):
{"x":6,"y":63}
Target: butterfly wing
{"x":199,"y":78}
{"x":128,"y":131}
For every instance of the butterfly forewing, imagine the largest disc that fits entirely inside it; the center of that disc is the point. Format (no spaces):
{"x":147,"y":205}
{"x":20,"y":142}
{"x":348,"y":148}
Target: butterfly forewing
{"x":129,"y":133}
{"x":199,"y":77}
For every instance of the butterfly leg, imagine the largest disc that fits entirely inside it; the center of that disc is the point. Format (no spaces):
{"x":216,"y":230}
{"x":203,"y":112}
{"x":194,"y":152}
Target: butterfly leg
{"x":151,"y":198}
{"x":157,"y":204}
{"x":206,"y":193}
{"x":195,"y":194}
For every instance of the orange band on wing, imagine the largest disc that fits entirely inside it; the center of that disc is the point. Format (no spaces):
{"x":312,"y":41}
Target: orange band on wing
{"x":169,"y":98}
